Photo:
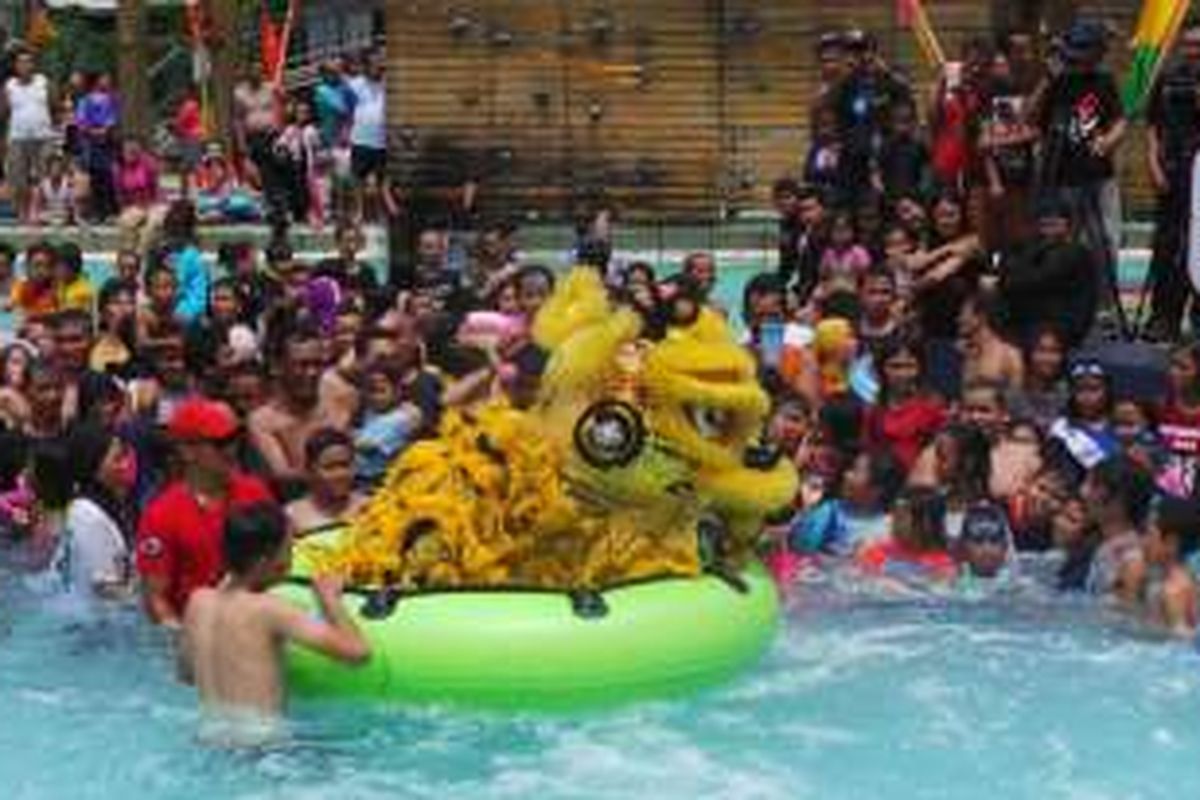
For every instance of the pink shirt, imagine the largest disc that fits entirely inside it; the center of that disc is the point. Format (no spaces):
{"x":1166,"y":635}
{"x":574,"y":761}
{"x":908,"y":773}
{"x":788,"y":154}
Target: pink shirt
{"x":137,"y":181}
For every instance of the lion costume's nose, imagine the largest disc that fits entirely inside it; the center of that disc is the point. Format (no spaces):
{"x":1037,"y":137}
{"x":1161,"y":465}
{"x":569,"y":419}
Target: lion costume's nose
{"x":761,"y":457}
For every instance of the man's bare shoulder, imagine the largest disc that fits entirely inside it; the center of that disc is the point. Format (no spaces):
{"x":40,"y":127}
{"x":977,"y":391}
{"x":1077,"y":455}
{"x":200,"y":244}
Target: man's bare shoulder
{"x":270,"y":418}
{"x":300,"y":514}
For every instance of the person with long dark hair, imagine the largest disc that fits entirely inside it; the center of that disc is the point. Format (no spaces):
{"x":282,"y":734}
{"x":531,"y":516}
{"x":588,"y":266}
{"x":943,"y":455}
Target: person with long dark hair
{"x":115,"y":341}
{"x":907,"y":416}
{"x":93,"y":555}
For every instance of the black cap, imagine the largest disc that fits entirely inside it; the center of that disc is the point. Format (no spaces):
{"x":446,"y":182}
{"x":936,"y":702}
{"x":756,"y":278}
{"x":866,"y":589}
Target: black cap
{"x":1085,"y":37}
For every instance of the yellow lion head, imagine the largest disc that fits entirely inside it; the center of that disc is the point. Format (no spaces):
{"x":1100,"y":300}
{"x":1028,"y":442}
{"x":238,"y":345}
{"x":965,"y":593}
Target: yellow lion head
{"x":694,"y":392}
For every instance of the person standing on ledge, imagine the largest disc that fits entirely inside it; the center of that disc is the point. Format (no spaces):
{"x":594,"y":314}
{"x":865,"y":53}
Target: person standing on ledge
{"x":234,"y":634}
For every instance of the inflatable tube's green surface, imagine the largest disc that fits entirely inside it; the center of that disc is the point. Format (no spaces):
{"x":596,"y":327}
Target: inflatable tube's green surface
{"x":532,"y":651}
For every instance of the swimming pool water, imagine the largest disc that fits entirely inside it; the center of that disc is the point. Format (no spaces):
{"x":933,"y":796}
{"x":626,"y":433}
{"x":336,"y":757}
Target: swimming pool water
{"x":858,"y":699}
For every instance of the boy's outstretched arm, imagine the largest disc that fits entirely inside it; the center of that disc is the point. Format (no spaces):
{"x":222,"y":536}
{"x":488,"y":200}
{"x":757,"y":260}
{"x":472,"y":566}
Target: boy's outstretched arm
{"x":335,"y":635}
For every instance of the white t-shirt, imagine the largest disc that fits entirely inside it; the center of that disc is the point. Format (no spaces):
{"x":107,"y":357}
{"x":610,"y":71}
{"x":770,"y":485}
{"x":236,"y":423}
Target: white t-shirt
{"x":368,"y":129}
{"x":29,"y":109}
{"x":92,"y":550}
{"x":57,"y":202}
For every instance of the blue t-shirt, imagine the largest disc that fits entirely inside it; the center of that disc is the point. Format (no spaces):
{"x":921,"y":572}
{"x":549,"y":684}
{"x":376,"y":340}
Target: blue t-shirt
{"x":334,"y":106}
{"x":820,"y":529}
{"x":382,"y":437}
{"x":192,"y":274}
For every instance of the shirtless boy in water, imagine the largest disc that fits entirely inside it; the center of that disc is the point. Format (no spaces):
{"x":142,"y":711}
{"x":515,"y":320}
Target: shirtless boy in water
{"x":234,"y":635}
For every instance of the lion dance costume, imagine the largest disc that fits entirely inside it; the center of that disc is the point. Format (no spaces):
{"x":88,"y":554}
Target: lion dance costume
{"x":639,"y":459}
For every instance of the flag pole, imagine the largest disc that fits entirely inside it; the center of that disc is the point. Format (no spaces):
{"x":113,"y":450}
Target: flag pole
{"x":285,"y":39}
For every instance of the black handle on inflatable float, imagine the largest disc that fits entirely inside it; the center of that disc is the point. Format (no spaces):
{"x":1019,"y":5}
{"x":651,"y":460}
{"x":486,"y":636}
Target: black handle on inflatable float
{"x":377,"y":603}
{"x":588,"y":604}
{"x":381,"y":604}
{"x":729,"y":578}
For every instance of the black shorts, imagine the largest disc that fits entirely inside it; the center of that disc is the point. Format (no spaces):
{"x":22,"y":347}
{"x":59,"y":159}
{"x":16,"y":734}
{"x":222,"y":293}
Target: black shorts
{"x":367,"y":161}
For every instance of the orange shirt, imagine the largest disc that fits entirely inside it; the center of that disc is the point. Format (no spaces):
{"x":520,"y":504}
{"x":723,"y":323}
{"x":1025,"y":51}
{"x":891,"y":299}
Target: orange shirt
{"x":33,"y":300}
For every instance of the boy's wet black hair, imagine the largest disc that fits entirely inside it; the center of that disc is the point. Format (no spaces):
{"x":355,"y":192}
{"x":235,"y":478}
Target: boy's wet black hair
{"x":253,"y":534}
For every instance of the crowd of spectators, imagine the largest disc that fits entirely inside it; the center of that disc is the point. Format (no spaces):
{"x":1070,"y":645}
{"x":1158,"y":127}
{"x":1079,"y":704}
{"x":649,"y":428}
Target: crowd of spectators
{"x":929,"y":342}
{"x":305,"y":156}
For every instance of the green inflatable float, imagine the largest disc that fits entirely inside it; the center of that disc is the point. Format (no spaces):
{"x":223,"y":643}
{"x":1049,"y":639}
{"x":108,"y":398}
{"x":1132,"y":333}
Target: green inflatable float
{"x":547,"y":651}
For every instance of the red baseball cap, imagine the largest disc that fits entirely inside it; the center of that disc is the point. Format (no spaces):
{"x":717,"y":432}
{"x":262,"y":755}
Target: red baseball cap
{"x":202,"y":420}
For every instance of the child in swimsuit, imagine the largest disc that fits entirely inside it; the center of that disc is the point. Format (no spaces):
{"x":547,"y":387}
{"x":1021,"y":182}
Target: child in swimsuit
{"x":984,"y":547}
{"x":1171,"y":538}
{"x":916,"y":553}
{"x":1118,"y":493}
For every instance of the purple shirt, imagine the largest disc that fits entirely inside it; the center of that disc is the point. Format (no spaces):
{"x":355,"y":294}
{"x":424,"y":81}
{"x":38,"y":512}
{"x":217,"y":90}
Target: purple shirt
{"x":97,"y":110}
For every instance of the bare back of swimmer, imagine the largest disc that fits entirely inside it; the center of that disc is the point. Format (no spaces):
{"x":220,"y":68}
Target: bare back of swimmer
{"x":234,"y":635}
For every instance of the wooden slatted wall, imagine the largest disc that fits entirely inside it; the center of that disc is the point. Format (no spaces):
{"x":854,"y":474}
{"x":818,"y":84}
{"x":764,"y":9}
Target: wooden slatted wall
{"x":672,"y":108}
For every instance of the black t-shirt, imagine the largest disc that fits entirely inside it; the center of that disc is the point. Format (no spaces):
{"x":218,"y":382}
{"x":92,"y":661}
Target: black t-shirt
{"x":1044,"y":283}
{"x":1174,"y":109}
{"x":1078,"y":107}
{"x":903,"y":165}
{"x":799,"y":256}
{"x":937,"y":307}
{"x":862,"y":103}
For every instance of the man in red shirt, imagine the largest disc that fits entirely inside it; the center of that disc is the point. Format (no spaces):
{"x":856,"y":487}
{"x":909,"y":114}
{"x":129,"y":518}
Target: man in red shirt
{"x":179,"y":539}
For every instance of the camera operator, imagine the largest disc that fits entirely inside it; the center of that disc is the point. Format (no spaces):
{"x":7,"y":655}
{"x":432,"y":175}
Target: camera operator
{"x":862,"y":103}
{"x":1081,"y":122}
{"x":1173,"y":118}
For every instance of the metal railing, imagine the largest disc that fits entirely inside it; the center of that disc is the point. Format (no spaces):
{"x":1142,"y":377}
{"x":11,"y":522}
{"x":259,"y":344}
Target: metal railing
{"x":303,"y":65}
